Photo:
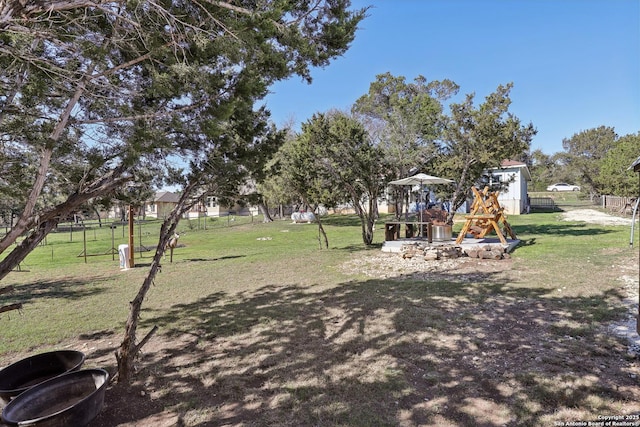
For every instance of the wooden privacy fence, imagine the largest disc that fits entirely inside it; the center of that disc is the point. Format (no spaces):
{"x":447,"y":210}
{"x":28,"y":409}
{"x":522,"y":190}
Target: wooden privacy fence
{"x":618,"y":204}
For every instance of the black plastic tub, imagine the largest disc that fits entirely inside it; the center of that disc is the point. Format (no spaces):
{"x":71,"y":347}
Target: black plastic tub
{"x":72,"y":399}
{"x":26,"y":373}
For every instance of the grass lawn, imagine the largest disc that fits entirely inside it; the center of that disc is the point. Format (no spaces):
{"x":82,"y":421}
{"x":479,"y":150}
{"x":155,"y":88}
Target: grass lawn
{"x":260,"y":327}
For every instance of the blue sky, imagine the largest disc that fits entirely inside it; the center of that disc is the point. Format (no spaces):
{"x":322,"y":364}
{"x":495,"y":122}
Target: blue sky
{"x":575,"y":64}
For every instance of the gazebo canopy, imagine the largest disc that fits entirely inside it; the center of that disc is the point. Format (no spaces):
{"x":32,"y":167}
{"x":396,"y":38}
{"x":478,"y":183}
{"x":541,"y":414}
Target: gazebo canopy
{"x":421,"y":179}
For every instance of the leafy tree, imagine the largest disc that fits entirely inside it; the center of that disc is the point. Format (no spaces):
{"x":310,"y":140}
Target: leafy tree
{"x":351,"y":162}
{"x":479,"y":138}
{"x":113,"y":80}
{"x":224,"y":154}
{"x":134,"y":86}
{"x":614,"y":176}
{"x":584,"y":153}
{"x":404,"y":119}
{"x":547,"y":169}
{"x":560,"y":172}
{"x":333,"y":161}
{"x":275,"y":188}
{"x":541,"y":168}
{"x":294,"y":177}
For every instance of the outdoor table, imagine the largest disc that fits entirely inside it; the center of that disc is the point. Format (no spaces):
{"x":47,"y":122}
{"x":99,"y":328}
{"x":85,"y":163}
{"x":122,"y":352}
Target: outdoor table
{"x":392,"y":230}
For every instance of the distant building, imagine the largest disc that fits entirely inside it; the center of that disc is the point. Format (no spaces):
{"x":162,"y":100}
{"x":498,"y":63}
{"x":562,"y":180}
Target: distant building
{"x":161,"y":205}
{"x":210,"y":206}
{"x":514,"y":177}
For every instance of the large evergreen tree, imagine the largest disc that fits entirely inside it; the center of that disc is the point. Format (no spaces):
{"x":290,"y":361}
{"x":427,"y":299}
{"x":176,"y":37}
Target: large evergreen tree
{"x":479,"y":138}
{"x":542,"y":169}
{"x":404,"y":119}
{"x":584,"y":153}
{"x":346,"y":161}
{"x":115,"y":81}
{"x":223,"y":154}
{"x":126,"y":87}
{"x":614,"y":176}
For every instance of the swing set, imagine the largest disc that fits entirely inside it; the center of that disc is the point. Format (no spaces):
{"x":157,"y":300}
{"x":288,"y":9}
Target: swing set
{"x":485,"y":216}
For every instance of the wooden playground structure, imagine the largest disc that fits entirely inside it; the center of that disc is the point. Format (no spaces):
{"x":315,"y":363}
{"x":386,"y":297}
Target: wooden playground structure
{"x":486,"y":215}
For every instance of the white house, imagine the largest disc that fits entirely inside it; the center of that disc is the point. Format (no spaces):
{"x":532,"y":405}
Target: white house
{"x":161,"y":205}
{"x":211,"y":207}
{"x":515,"y":176}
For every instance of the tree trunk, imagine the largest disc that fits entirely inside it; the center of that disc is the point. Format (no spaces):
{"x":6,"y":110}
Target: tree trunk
{"x":457,"y":199}
{"x":264,"y":210}
{"x":368,"y":220}
{"x":398,"y":196}
{"x":375,"y":211}
{"x":48,"y":220}
{"x":128,"y":350}
{"x":367,"y":231}
{"x":97,"y":212}
{"x":20,"y":252}
{"x":17,"y":255}
{"x":26,"y":219}
{"x":322,"y":234}
{"x":367,"y":215}
{"x":366,"y":224}
{"x":459,"y":194}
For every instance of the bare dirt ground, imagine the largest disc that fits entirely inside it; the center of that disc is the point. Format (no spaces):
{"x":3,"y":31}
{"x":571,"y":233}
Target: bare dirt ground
{"x":594,"y":217}
{"x":625,"y":328}
{"x":375,"y":352}
{"x":502,"y":363}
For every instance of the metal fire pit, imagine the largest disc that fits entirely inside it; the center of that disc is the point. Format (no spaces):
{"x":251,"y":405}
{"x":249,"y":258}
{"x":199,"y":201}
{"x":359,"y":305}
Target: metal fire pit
{"x":441,"y":233}
{"x":72,"y":399}
{"x":26,"y":373}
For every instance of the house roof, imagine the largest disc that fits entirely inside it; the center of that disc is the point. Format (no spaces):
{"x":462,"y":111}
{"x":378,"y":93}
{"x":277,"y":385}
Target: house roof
{"x":511,"y":163}
{"x":636,"y":165}
{"x":514,"y":164}
{"x":166,"y":197}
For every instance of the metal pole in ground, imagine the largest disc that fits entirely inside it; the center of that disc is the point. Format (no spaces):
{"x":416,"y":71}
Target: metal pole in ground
{"x":113,"y":243}
{"x":637,"y":169}
{"x":131,"y":242}
{"x":84,"y":242}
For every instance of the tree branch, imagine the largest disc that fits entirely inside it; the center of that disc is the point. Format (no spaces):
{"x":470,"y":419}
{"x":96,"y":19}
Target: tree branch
{"x":146,"y":339}
{"x":10,"y":307}
{"x":229,"y":6}
{"x":141,"y":116}
{"x":6,"y":290}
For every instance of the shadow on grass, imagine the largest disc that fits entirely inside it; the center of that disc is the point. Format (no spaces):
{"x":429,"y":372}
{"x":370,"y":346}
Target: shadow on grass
{"x":462,"y":349}
{"x":212,"y":259}
{"x":360,"y":247}
{"x":341,"y":221}
{"x":69,"y":288}
{"x":97,"y":335}
{"x":168,"y":261}
{"x":567,"y":229}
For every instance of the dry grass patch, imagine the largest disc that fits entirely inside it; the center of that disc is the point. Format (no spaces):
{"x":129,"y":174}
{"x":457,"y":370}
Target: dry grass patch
{"x":463,"y":348}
